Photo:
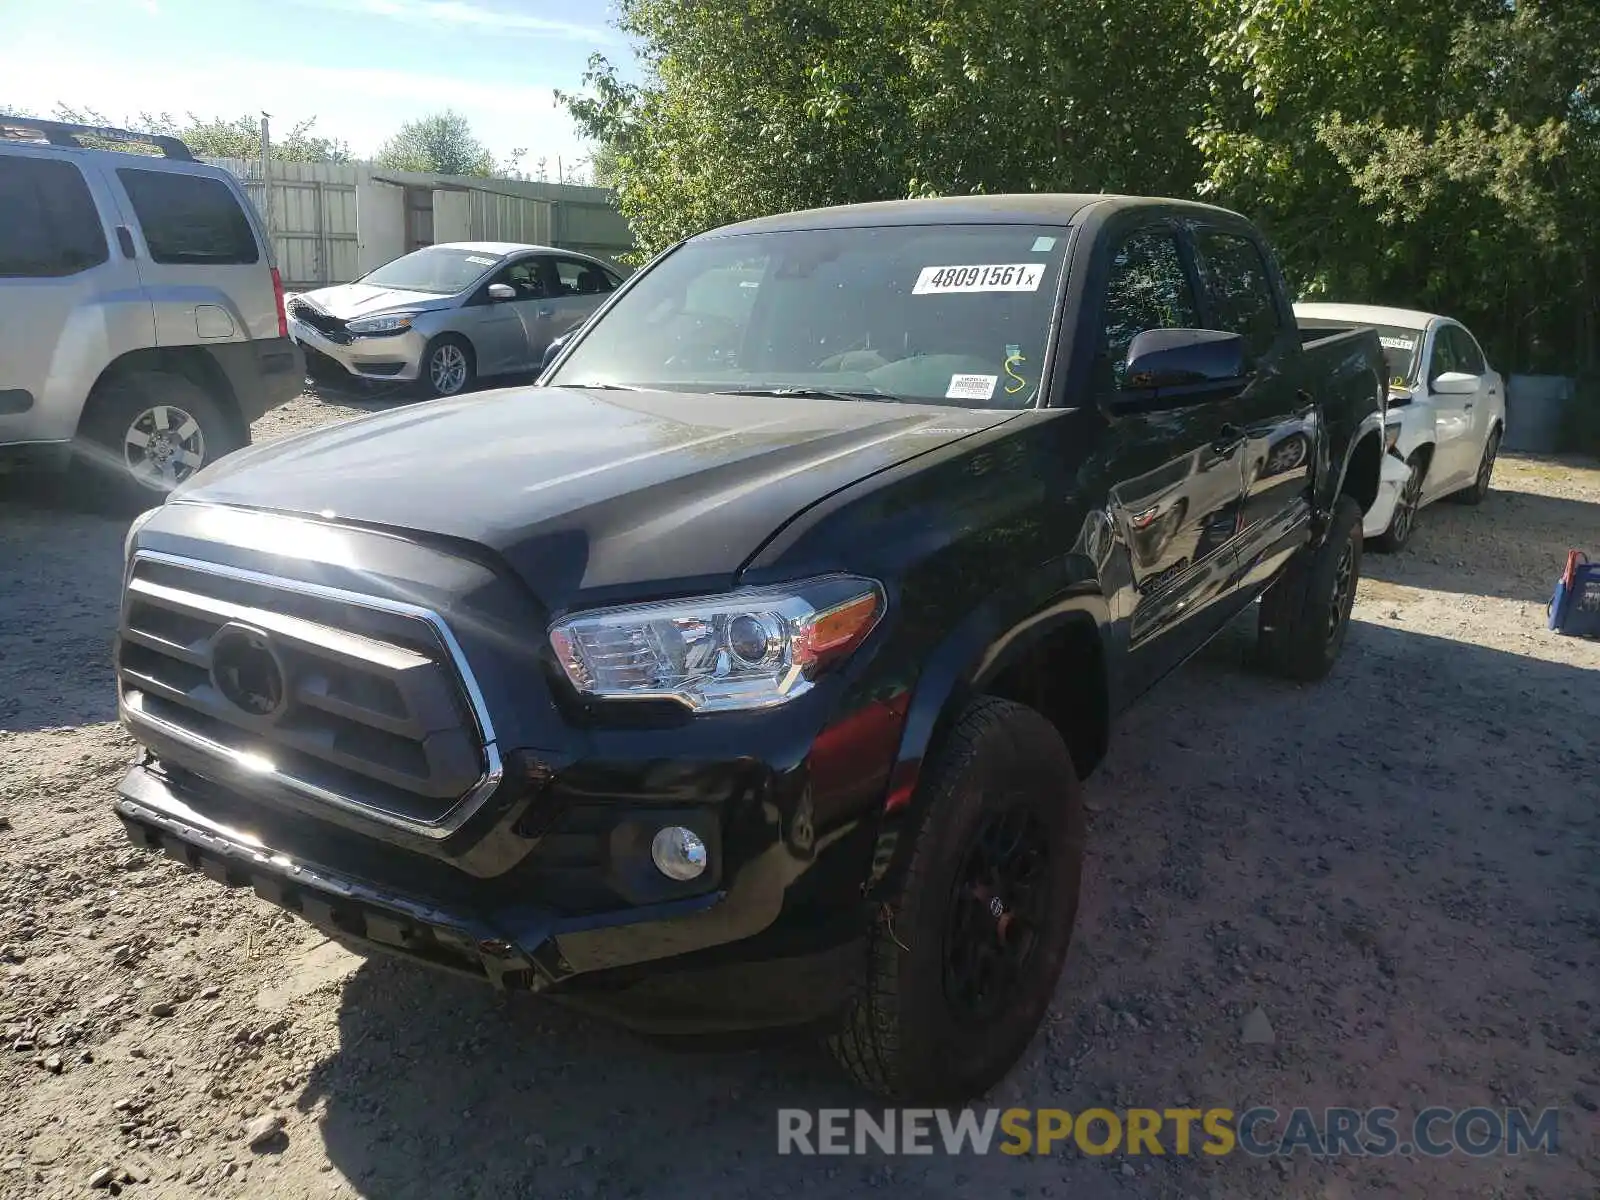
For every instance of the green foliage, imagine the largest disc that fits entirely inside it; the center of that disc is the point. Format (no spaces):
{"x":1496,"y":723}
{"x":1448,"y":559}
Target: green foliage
{"x":1440,"y":154}
{"x":442,"y":142}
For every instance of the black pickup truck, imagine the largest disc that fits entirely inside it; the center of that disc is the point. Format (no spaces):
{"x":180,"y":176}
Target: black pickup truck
{"x":745,"y":669}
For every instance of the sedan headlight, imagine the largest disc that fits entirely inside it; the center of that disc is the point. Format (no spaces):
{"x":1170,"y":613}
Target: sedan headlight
{"x":386,"y":323}
{"x":744,"y":650}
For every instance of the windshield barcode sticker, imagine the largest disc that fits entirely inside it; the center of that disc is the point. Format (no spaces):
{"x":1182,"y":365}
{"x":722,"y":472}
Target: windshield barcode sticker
{"x":971,"y":387}
{"x":486,"y":262}
{"x":1005,"y":277}
{"x":1394,"y":343}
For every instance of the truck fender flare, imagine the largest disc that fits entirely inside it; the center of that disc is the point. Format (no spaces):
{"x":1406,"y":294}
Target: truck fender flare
{"x":1371,"y":423}
{"x":991,"y":638}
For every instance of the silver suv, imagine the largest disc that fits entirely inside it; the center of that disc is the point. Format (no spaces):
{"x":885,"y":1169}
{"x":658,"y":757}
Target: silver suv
{"x":448,"y":314}
{"x":142,"y":326}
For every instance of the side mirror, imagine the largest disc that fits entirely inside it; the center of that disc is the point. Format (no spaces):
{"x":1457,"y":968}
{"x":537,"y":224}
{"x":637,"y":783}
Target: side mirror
{"x":553,"y":349}
{"x":502,"y":291}
{"x":1455,"y":383}
{"x":1168,"y":359}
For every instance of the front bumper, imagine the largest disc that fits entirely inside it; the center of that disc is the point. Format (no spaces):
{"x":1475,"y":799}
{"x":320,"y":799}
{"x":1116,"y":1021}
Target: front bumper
{"x":721,"y":959}
{"x":389,"y":359}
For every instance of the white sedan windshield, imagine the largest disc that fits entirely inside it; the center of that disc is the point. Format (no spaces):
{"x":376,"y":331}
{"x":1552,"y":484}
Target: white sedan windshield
{"x":438,"y":269}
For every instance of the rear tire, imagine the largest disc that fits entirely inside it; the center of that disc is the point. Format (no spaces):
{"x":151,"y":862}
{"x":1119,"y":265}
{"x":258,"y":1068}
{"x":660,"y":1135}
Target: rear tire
{"x":1305,"y":615}
{"x":963,"y":961}
{"x":145,"y":432}
{"x":448,"y":366}
{"x":1479,"y":491}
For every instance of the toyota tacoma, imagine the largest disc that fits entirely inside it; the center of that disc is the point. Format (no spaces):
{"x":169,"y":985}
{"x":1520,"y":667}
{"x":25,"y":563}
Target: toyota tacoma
{"x":743,"y":671}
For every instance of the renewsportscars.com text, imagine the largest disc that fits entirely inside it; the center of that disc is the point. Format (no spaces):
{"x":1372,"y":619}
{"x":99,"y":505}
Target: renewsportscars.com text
{"x":1261,"y":1131}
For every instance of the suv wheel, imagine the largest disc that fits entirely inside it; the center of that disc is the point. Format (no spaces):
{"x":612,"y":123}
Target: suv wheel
{"x":1306,"y":613}
{"x":447,"y":367}
{"x":962,"y":963}
{"x":148,"y":431}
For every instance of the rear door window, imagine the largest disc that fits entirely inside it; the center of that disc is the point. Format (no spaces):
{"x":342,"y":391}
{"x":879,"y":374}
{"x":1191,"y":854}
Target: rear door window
{"x":1239,"y":295}
{"x":48,"y":224}
{"x":579,"y":278}
{"x":189,"y":219}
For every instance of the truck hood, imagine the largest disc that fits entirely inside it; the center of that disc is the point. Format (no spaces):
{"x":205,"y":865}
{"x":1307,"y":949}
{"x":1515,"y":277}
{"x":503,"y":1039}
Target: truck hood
{"x":582,"y":492}
{"x":350,"y":300}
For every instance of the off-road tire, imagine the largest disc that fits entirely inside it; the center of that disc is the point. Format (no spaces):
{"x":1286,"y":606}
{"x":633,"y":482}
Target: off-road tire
{"x":1301,"y":632}
{"x":902,"y":1036}
{"x":116,"y":407}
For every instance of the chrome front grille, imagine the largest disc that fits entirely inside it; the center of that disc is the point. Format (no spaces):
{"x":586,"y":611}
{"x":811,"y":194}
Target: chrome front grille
{"x":313,"y":693}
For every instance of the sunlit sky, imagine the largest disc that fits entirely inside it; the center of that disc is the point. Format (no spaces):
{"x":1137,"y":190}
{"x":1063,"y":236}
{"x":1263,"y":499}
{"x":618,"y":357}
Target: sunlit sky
{"x":360,"y":67}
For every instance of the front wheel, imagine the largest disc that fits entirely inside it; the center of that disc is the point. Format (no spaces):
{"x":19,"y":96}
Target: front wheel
{"x":1305,"y":615}
{"x":1404,"y":521}
{"x":963,"y":961}
{"x":1479,"y":491}
{"x":447,"y":366}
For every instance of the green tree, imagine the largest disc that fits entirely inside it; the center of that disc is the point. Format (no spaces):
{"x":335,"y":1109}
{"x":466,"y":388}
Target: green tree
{"x":748,"y":108}
{"x":1441,"y":154}
{"x":442,"y":142}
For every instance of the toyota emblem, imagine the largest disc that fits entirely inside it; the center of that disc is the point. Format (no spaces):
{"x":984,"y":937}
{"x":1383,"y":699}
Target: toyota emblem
{"x":246,"y":670}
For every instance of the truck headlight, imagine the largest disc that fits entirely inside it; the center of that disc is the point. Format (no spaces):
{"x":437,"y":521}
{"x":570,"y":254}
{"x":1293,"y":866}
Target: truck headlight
{"x":139,"y":523}
{"x":747,"y":649}
{"x":388,"y":323}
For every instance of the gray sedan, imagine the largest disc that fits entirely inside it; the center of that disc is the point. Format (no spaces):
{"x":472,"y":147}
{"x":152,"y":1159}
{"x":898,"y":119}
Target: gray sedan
{"x":448,"y":314}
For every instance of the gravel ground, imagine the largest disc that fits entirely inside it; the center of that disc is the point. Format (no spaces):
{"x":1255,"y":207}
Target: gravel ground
{"x":1397,"y":868}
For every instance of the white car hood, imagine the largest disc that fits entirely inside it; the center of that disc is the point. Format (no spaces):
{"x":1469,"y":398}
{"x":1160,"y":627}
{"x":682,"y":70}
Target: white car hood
{"x":349,"y":300}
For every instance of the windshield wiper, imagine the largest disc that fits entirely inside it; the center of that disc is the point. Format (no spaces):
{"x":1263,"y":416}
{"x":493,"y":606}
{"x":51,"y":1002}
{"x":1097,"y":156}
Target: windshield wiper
{"x":812,"y":393}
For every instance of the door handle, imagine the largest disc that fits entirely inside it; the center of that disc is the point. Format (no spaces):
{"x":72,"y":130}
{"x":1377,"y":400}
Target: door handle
{"x":547,"y":312}
{"x":1228,"y":437}
{"x":1467,"y":407}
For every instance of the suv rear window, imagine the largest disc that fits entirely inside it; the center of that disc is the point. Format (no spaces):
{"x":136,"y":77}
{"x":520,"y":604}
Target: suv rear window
{"x":48,"y":224}
{"x":189,"y":218}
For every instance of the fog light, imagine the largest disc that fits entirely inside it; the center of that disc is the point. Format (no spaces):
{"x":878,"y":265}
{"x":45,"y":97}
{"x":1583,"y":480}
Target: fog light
{"x":678,"y":853}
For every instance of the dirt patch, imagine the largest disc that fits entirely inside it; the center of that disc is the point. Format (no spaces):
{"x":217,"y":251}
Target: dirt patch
{"x":1395,"y":868}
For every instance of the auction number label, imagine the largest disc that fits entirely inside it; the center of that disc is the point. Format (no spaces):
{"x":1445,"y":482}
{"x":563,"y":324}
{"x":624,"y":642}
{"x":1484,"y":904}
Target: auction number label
{"x":1004,"y":277}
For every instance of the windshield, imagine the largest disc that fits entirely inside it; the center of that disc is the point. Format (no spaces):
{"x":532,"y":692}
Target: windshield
{"x":950,"y":314}
{"x":1400,"y":346}
{"x":438,"y":269}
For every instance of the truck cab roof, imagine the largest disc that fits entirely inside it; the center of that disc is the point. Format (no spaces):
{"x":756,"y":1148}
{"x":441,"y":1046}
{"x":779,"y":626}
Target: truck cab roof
{"x":1060,"y":208}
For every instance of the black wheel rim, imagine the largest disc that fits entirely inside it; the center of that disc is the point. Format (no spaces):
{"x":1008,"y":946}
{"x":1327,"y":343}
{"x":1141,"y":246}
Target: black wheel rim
{"x":1406,"y":514}
{"x":1344,"y":593}
{"x":1486,"y":468}
{"x":997,"y":909}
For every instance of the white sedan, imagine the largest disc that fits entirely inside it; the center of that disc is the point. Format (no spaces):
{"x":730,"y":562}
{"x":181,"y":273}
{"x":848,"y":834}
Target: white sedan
{"x":1447,"y":410}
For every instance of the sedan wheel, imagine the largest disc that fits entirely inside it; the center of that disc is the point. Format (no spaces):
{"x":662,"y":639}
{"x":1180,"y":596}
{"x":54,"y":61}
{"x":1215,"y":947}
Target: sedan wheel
{"x":1404,"y":521}
{"x":449,"y":369}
